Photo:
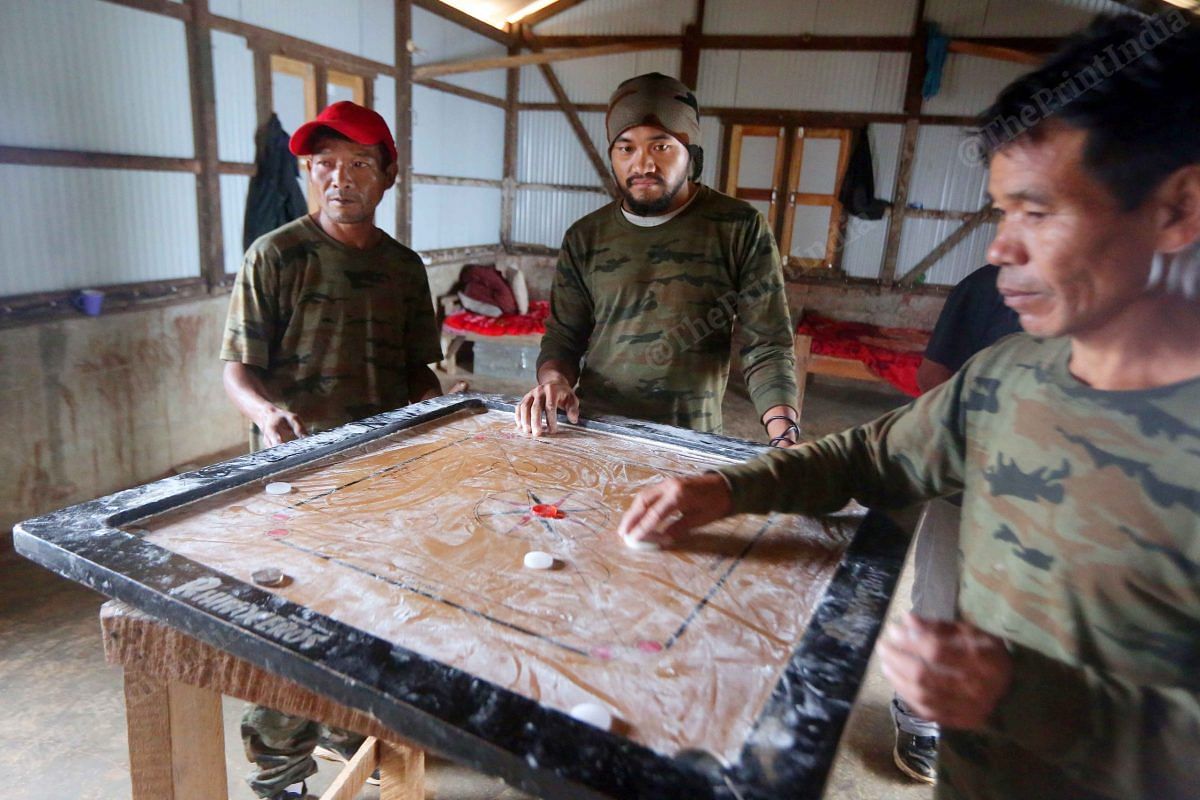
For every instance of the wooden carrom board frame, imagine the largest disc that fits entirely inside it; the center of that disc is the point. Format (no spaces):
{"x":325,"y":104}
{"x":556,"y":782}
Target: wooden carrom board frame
{"x":788,"y":754}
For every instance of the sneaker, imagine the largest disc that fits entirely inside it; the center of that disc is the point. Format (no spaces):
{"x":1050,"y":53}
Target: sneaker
{"x":297,"y":791}
{"x":374,"y":779}
{"x":915,"y":752}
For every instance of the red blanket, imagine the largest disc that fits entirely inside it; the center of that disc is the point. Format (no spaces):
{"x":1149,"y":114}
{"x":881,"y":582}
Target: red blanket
{"x":504,"y":325}
{"x":891,"y":353}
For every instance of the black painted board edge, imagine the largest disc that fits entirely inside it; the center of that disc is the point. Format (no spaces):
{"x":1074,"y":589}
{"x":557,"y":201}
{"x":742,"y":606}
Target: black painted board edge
{"x":547,"y":753}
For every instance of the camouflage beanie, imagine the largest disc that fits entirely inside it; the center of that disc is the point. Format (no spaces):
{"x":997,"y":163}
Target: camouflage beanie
{"x":658,"y":100}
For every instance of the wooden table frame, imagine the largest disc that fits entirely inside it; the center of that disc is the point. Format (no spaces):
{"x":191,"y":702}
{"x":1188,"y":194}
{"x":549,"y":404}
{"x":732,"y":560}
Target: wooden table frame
{"x":173,"y":689}
{"x":441,"y":708}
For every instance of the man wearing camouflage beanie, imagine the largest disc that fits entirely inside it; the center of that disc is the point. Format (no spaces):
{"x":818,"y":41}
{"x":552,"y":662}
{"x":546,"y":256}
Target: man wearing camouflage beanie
{"x":647,"y":288}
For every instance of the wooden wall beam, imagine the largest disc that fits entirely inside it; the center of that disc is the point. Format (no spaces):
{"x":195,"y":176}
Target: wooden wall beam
{"x":805,"y":42}
{"x":962,"y":47}
{"x":464,"y":20}
{"x":264,"y":90}
{"x":451,"y":180}
{"x":304,"y":50}
{"x":568,"y":110}
{"x":562,"y":187}
{"x":204,"y":137}
{"x":321,"y":82}
{"x":402,"y":127}
{"x":441,"y":68}
{"x":985,"y":214}
{"x":570,"y":40}
{"x":83,"y":158}
{"x":908,"y":147}
{"x":470,"y":94}
{"x":689,"y":57}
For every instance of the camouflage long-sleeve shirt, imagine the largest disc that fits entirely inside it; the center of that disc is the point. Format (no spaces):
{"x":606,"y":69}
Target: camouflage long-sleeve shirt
{"x":1080,"y":545}
{"x":332,"y":328}
{"x":649,"y":312}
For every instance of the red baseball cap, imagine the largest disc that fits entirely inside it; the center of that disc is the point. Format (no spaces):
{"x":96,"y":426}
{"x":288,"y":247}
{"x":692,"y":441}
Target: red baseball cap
{"x":356,"y":123}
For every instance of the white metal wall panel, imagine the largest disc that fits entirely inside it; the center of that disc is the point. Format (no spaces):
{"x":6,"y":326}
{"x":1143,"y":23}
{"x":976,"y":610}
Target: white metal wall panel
{"x":439,"y":39}
{"x":233,"y":76}
{"x":362,"y":27}
{"x":152,"y":238}
{"x":805,"y":81}
{"x":385,"y":104}
{"x":622,"y":16}
{"x":942,"y":177}
{"x":543,"y":217}
{"x":456,"y":136}
{"x":548,"y":151}
{"x":85,"y":75}
{"x":921,"y":236}
{"x":970,"y":84}
{"x":818,"y":170}
{"x":454,"y":216}
{"x":233,"y":215}
{"x":810,"y":231}
{"x":820,"y":17}
{"x":862,"y":250}
{"x":885,"y":153}
{"x":593,"y":80}
{"x":756,"y":165}
{"x":287,"y":100}
{"x":1016,"y":17}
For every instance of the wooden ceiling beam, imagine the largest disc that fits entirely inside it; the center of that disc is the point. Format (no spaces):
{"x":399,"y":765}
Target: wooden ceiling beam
{"x":464,"y":20}
{"x":552,"y":10}
{"x":441,"y":68}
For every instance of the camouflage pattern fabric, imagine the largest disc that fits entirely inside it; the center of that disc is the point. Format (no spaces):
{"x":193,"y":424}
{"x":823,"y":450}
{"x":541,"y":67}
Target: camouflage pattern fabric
{"x":650,"y":311}
{"x":281,"y":746}
{"x":1080,"y":545}
{"x":333,"y":328}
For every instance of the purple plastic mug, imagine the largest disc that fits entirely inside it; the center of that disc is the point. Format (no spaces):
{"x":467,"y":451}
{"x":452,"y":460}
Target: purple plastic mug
{"x":89,"y":301}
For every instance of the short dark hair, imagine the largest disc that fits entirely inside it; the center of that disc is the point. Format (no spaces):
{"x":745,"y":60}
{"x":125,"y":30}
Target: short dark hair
{"x":1131,"y":83}
{"x":325,"y":132}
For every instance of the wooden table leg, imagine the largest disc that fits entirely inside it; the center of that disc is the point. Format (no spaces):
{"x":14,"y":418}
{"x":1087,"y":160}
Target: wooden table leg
{"x":401,"y":772}
{"x":176,"y":740}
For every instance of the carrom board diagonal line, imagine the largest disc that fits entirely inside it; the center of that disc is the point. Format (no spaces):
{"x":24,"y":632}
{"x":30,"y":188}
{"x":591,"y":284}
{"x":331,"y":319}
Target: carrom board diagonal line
{"x":438,"y":599}
{"x":716,"y":587}
{"x":378,"y":472}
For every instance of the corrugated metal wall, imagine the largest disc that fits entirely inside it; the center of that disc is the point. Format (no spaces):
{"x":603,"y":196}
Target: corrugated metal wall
{"x":86,"y":75}
{"x":819,"y":17}
{"x":862,"y":253}
{"x":233,"y":213}
{"x":592,"y":80}
{"x":622,"y":16}
{"x":437,"y":39}
{"x":1016,"y":17}
{"x":363,"y":27}
{"x":922,"y":235}
{"x":233,"y":77}
{"x":803,"y":81}
{"x":91,"y":227}
{"x":458,"y":137}
{"x":549,"y":151}
{"x":970,"y":84}
{"x":385,"y":104}
{"x":543,"y":217}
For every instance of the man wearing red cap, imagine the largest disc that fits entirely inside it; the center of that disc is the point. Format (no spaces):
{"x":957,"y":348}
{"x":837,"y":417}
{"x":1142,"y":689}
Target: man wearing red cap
{"x":647,"y":288}
{"x":331,"y":320}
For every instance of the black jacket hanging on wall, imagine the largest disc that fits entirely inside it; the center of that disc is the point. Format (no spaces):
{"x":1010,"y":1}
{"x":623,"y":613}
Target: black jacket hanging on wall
{"x":274,"y":197}
{"x":858,"y":184}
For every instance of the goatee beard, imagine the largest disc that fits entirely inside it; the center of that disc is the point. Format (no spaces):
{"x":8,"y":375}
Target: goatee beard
{"x":651,"y":208}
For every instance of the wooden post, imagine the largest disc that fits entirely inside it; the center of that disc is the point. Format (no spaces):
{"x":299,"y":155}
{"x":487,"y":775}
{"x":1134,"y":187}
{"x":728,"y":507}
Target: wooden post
{"x":204,"y":138}
{"x":403,"y":124}
{"x":321,"y":82}
{"x":508,"y":201}
{"x":176,"y":739}
{"x":401,"y":772}
{"x":264,"y":90}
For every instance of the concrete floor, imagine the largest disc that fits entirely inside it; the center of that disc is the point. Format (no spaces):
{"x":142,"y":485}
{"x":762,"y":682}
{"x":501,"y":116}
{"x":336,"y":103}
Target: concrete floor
{"x":63,"y":735}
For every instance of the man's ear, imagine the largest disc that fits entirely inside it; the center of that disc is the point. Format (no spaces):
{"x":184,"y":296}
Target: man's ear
{"x":1179,"y":201}
{"x":393,"y":169}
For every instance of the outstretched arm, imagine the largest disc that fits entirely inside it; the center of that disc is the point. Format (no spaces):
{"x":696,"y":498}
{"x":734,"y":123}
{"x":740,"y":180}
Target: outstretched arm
{"x":245,"y":388}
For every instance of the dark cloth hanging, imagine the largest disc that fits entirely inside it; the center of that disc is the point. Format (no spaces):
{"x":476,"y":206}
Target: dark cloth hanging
{"x":858,"y":184}
{"x":274,"y":198}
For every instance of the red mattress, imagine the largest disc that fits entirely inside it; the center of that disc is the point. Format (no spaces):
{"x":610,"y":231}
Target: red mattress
{"x":891,"y":353}
{"x":504,"y":325}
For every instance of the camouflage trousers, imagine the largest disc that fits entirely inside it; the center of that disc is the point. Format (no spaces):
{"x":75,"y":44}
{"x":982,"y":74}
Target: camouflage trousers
{"x":281,"y":747}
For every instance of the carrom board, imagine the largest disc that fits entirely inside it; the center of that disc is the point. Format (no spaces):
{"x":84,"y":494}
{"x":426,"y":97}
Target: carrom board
{"x":728,"y":663}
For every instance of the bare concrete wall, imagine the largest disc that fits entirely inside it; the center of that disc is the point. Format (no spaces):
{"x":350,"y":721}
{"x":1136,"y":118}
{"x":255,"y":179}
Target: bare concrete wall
{"x":92,"y":405}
